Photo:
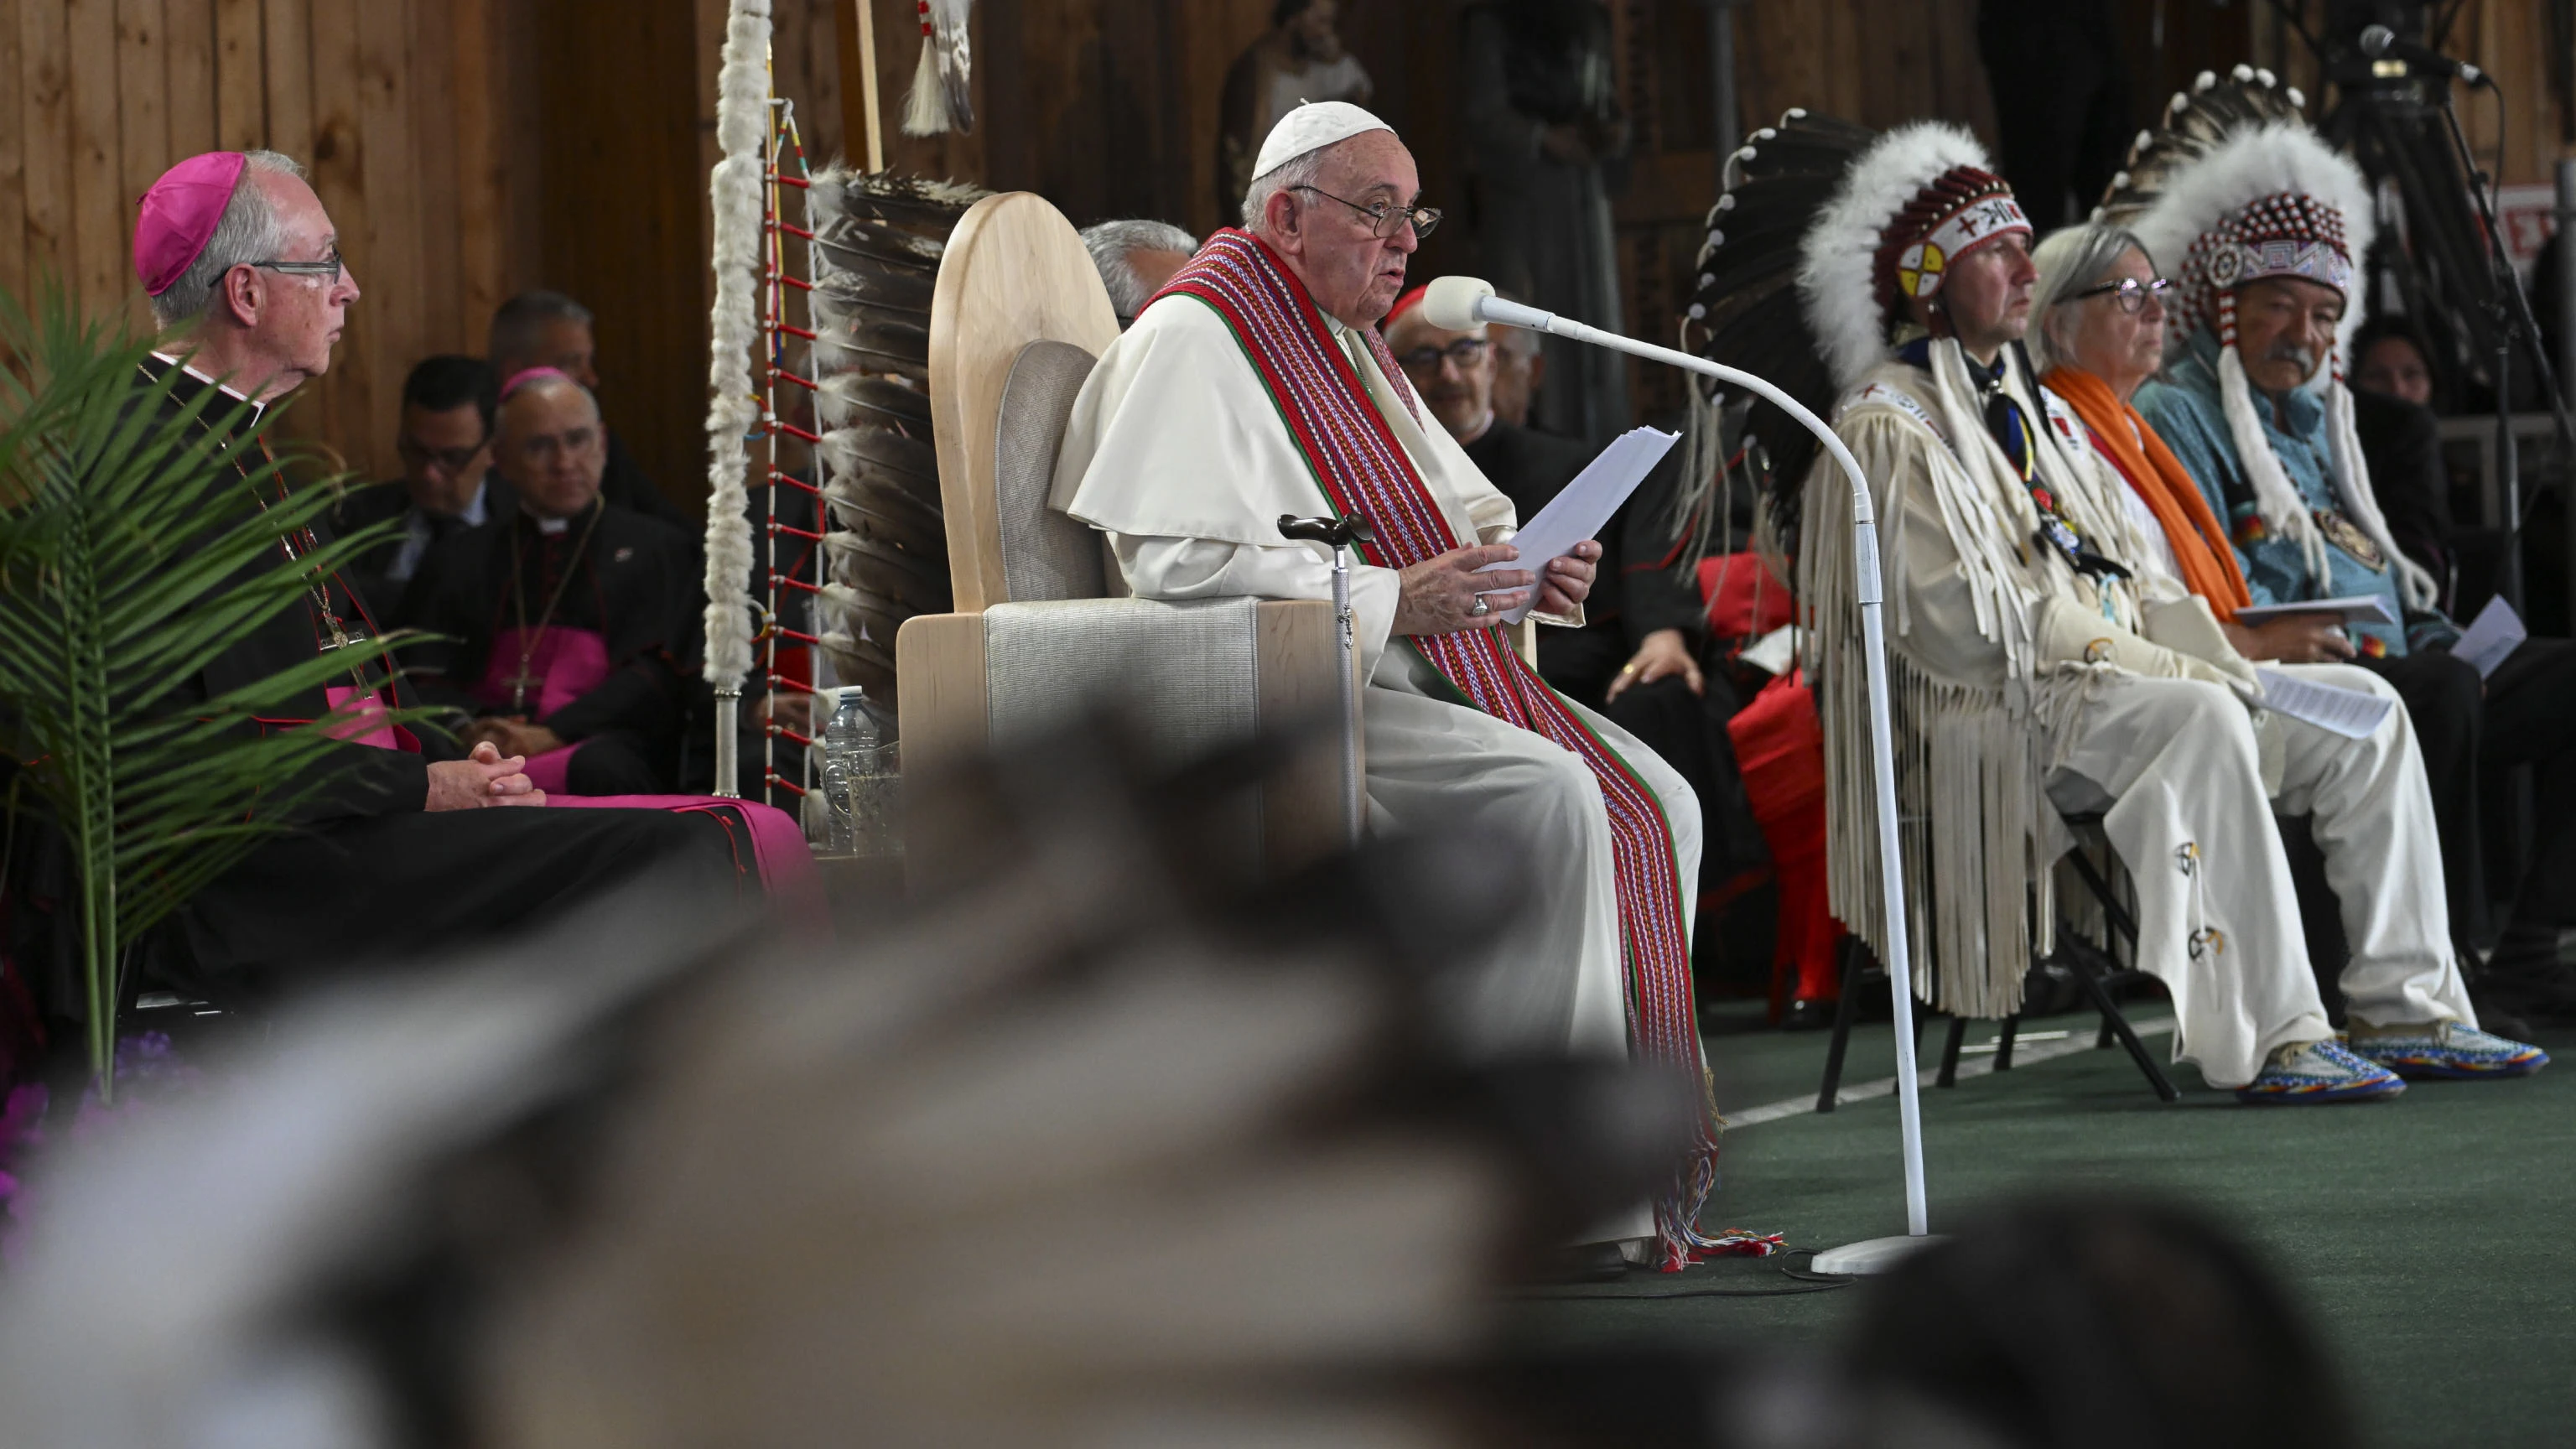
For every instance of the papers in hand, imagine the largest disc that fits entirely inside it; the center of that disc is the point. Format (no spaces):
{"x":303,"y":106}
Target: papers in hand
{"x":2354,"y":714}
{"x":2355,"y":609}
{"x":1585,"y":506}
{"x":2492,"y":637}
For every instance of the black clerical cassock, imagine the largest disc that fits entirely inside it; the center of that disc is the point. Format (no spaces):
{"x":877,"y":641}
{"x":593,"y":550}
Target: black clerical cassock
{"x":368,"y":872}
{"x":584,"y":625}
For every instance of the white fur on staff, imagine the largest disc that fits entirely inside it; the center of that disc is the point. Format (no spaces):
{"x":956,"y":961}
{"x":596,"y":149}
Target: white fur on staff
{"x":733,"y":409}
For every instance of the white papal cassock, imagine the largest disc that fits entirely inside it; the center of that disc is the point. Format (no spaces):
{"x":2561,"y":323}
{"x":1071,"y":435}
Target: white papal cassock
{"x":1177,"y":449}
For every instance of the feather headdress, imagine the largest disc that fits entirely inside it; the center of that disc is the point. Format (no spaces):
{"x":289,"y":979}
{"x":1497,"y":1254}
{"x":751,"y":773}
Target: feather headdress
{"x":1843,"y":273}
{"x":1746,"y":312}
{"x":2236,"y":188}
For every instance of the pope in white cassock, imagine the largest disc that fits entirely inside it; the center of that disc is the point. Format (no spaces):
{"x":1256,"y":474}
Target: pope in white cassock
{"x":1255,"y":386}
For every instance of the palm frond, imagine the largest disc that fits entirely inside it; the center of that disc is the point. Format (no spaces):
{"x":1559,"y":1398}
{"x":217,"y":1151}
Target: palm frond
{"x":140,"y":538}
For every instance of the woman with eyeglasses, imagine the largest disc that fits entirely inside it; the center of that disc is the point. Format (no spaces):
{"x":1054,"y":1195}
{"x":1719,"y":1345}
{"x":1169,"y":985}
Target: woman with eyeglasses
{"x":2098,"y":316}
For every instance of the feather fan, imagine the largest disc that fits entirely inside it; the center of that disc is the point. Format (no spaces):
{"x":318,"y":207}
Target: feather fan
{"x":878,"y":243}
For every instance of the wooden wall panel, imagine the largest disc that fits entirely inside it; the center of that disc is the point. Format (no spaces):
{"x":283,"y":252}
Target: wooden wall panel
{"x":142,"y":148}
{"x":241,"y":96}
{"x":394,"y":105}
{"x":44,"y":59}
{"x":625,"y":216}
{"x":97,"y":177}
{"x":13,"y":157}
{"x":189,"y":58}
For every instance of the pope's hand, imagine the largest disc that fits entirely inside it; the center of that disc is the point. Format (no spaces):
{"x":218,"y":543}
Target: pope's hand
{"x":1665,"y":651}
{"x":480,"y":779}
{"x":1439,"y":594}
{"x":1568,"y":580}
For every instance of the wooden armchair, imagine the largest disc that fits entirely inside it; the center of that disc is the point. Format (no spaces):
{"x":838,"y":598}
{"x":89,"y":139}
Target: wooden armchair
{"x":1017,"y":319}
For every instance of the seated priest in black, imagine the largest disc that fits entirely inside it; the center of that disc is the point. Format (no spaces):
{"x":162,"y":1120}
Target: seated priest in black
{"x":403,"y":849}
{"x":549,"y":329}
{"x":446,"y":484}
{"x":569,"y":628}
{"x":1636,"y":658}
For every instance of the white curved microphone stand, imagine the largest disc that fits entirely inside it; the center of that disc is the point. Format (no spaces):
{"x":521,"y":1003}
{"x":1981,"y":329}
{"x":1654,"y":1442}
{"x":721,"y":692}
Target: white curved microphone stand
{"x":1459,"y":303}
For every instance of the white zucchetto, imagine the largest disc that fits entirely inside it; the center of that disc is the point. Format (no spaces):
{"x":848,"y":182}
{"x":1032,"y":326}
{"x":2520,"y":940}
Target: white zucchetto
{"x":1311,"y":127}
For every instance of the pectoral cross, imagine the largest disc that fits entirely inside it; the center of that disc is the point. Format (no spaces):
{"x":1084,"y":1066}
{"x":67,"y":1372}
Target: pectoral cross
{"x":519,"y":688}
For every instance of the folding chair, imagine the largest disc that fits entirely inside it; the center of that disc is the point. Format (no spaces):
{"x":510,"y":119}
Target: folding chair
{"x":2095,"y":973}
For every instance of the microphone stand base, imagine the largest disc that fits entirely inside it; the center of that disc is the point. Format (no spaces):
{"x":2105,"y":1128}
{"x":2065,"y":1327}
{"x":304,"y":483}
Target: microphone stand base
{"x":1871,"y":1255}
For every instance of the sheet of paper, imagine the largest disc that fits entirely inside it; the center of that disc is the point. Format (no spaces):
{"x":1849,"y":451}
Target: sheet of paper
{"x":2492,"y":636}
{"x":1774,"y":652}
{"x":2352,"y":713}
{"x":2355,"y":608}
{"x":1585,"y":505}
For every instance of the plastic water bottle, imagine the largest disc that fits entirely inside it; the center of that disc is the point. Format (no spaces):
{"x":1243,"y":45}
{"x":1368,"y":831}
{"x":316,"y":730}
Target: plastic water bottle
{"x":861,"y":778}
{"x":849,"y":748}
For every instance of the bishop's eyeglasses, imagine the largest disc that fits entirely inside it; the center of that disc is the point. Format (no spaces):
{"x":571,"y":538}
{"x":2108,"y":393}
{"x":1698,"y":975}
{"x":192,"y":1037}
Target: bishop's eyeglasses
{"x":1385,"y":216}
{"x":2130,"y":293}
{"x":329,"y":268}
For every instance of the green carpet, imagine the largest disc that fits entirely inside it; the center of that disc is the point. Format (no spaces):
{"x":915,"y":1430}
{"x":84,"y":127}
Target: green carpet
{"x":2427,"y":1236}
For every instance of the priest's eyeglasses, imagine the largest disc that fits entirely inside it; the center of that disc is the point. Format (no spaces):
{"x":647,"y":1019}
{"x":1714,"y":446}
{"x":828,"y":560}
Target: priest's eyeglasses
{"x":1385,"y":216}
{"x":329,"y":268}
{"x":1466,"y":352}
{"x":2130,"y":293}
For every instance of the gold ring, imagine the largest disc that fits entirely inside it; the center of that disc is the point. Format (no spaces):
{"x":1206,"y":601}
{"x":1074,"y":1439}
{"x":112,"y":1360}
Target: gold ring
{"x":1631,"y":669}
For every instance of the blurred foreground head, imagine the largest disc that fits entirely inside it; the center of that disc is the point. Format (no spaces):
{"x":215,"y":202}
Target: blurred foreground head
{"x":1103,"y":1146}
{"x":2105,"y":1323}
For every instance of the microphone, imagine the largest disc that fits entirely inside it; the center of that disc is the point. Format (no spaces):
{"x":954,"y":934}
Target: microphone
{"x":2379,"y":42}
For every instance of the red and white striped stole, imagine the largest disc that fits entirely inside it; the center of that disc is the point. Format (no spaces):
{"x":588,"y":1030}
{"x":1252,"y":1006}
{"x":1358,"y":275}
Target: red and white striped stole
{"x":1364,"y":471}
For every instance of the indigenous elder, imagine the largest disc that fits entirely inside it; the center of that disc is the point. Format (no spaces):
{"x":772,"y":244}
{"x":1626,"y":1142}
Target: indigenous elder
{"x":2030,"y":674}
{"x":2100,"y":333}
{"x":1181,"y":447}
{"x":567,"y":630}
{"x":2270,"y":227}
{"x":402,"y":850}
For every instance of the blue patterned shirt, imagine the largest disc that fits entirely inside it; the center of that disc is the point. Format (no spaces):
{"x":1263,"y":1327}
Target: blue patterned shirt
{"x":2183,"y":406}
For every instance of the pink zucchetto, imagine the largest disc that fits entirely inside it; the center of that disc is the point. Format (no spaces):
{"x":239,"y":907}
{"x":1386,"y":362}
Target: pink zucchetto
{"x":526,"y":375}
{"x":179,"y":216}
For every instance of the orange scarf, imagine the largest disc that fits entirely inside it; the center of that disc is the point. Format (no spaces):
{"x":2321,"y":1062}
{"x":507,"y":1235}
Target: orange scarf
{"x":2200,"y":546}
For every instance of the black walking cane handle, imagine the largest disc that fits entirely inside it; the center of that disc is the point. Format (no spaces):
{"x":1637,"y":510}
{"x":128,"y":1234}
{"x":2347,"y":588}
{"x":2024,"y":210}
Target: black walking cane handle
{"x":1330,"y":532}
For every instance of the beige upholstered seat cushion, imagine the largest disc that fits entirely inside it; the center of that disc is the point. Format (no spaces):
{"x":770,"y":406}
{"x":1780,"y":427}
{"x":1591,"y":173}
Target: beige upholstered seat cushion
{"x":1045,"y":555}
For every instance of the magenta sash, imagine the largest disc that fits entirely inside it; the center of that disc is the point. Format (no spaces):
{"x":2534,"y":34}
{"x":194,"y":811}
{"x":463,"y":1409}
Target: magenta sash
{"x":565,"y":665}
{"x":1363,"y":470}
{"x":768,"y":840}
{"x":359,"y":720}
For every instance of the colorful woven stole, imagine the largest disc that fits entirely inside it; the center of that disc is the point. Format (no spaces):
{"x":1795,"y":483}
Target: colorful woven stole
{"x":1364,"y":471}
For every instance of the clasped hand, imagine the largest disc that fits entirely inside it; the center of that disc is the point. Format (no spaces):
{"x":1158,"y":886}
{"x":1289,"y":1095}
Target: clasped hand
{"x":512,"y":735}
{"x":481,"y":779}
{"x":1438,"y":595}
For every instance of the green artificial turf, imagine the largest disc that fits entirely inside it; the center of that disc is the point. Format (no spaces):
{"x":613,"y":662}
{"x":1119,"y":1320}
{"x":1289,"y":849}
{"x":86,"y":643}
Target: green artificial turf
{"x":2428,"y":1236}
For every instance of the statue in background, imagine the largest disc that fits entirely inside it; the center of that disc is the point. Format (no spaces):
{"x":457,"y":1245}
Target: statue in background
{"x":1299,"y":59}
{"x":1548,"y":144}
